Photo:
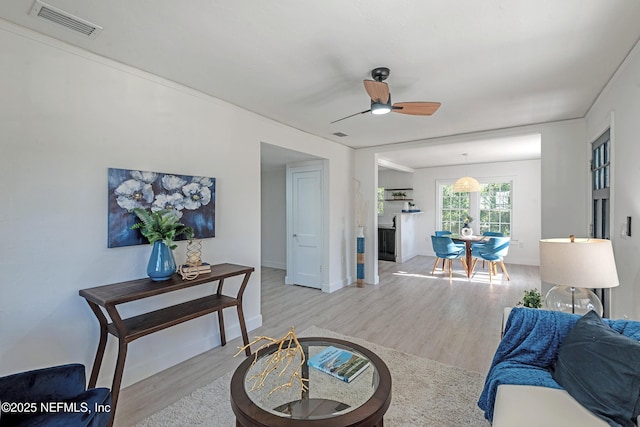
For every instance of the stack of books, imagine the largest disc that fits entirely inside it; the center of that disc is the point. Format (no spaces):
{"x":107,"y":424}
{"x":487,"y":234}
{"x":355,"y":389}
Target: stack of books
{"x":202,"y":268}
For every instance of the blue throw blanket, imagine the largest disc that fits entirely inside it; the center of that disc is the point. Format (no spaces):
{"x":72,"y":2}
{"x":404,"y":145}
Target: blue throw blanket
{"x":529,"y":349}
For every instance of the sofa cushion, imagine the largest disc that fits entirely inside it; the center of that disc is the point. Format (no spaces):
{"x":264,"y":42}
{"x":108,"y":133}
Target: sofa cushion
{"x":530,"y":406}
{"x":600,"y":368}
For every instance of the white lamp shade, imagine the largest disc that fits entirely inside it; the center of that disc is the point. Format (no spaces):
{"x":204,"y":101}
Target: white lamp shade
{"x":466,"y":184}
{"x":584,"y":263}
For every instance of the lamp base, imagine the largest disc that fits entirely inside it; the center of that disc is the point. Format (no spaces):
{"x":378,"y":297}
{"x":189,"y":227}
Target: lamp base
{"x":572,"y":300}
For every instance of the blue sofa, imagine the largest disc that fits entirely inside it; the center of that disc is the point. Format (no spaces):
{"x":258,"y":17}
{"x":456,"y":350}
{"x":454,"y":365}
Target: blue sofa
{"x":55,"y":396}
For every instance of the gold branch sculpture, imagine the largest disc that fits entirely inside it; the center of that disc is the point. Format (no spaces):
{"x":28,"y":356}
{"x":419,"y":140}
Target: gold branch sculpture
{"x":281,"y":359}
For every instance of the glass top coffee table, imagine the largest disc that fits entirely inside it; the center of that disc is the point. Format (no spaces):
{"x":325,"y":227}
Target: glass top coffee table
{"x":328,"y":402}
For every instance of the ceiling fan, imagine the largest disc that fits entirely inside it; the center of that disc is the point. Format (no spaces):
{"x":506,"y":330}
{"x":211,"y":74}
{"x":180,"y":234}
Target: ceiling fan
{"x":378,"y":91}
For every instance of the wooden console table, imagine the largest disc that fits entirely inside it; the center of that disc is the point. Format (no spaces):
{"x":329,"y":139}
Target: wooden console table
{"x":127,"y":330}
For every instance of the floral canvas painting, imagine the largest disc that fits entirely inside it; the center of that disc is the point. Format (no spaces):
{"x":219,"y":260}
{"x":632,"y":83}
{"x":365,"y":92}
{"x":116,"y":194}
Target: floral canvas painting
{"x":193,"y":198}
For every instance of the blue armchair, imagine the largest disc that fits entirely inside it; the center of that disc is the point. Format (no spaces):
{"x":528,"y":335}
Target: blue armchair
{"x":445,"y":249}
{"x":55,"y":396}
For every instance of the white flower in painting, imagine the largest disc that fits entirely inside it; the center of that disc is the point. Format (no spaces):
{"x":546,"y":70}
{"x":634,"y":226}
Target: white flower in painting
{"x":173,"y":201}
{"x":146,"y":177}
{"x":195,"y":196}
{"x":173,"y":183}
{"x":133,"y":194}
{"x":202,"y":180}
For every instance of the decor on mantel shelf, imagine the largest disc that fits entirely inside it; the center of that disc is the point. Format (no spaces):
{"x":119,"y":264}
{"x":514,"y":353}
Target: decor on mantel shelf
{"x":160,"y":228}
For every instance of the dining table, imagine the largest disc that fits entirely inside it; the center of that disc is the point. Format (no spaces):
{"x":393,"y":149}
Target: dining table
{"x":469,"y":241}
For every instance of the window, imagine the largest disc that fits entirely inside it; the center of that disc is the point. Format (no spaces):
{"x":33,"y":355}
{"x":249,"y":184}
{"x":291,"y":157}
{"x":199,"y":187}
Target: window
{"x":491,"y":208}
{"x":454,"y":208}
{"x":600,"y":186}
{"x":380,"y":200}
{"x":495,"y":208}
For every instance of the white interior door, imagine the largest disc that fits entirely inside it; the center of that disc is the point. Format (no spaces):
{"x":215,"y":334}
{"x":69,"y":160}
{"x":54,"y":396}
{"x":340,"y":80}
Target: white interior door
{"x":306,"y":229}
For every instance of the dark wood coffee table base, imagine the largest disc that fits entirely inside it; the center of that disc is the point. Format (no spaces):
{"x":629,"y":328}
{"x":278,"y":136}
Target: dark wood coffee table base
{"x":369,"y":414}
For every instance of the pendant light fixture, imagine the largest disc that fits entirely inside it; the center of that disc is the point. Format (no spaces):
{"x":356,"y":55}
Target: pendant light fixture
{"x":466,"y":184}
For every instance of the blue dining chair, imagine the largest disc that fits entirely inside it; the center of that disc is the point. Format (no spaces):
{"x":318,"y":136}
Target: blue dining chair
{"x":443,"y":233}
{"x":445,"y":249}
{"x":493,"y":251}
{"x":487,"y":234}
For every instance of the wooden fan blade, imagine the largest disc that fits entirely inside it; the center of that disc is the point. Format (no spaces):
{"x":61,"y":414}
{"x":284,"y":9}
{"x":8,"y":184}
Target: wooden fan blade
{"x":416,"y":108}
{"x":378,"y":91}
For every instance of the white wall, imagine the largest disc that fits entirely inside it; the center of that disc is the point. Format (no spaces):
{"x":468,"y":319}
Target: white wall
{"x":274,"y":218}
{"x":619,"y":107}
{"x":525,"y":176}
{"x":565,"y":175}
{"x":66,"y":116}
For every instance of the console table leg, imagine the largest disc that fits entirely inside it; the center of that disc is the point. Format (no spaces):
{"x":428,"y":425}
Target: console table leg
{"x":243,"y":325}
{"x":97,"y":362}
{"x":243,"y":329}
{"x":102,"y":343}
{"x":223,"y":338}
{"x":117,"y":377}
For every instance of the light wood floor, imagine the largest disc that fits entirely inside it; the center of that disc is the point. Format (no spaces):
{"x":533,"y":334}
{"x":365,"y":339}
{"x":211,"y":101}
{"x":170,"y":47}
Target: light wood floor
{"x":456,"y":322}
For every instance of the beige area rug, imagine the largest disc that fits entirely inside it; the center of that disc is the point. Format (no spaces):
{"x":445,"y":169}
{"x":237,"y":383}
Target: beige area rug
{"x":425,"y":393}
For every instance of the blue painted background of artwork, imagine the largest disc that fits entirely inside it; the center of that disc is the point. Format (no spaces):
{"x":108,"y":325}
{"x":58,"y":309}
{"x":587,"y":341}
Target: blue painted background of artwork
{"x":193,"y":198}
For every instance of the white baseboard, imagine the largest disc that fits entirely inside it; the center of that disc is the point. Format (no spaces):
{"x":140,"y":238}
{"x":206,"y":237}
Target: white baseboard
{"x":274,"y":264}
{"x":407,"y":258}
{"x":334,"y":286}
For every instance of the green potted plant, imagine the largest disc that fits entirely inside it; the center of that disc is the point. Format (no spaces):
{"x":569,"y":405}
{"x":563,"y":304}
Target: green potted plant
{"x":399,"y":195}
{"x":532,"y":299}
{"x":161,"y":228}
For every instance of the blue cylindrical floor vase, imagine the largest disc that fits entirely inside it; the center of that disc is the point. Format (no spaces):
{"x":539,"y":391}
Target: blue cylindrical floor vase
{"x":161,"y":265}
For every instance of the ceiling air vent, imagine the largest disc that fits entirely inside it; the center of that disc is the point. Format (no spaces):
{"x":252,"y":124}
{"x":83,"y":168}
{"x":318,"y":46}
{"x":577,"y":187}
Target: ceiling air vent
{"x":67,"y":20}
{"x":340,"y":134}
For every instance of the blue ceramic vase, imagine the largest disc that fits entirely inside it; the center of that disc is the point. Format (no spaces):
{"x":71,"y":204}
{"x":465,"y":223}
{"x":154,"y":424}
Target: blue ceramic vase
{"x":161,"y":265}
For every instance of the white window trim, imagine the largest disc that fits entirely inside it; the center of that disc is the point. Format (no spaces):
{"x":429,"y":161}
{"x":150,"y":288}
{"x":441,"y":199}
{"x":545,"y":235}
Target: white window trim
{"x":474,"y":201}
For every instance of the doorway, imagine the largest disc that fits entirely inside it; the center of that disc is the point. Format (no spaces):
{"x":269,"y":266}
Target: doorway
{"x":305,"y":228}
{"x":275,"y":236}
{"x":601,"y":199}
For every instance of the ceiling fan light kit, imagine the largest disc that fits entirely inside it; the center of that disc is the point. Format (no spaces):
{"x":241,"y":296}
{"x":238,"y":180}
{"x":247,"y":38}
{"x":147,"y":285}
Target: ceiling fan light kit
{"x":379,"y":108}
{"x":378,"y":91}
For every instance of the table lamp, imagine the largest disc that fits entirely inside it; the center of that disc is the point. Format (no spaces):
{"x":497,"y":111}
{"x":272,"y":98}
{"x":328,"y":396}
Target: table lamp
{"x":574,"y":266}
